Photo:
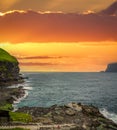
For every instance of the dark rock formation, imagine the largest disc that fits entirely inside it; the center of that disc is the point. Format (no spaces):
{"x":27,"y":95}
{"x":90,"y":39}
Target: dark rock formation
{"x":9,"y":75}
{"x":4,"y":114}
{"x":9,"y":95}
{"x":9,"y":69}
{"x":82,"y":116}
{"x":111,"y":67}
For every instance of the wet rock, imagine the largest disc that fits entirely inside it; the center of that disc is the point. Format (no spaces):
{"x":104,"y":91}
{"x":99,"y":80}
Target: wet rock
{"x":91,"y":110}
{"x":95,"y":123}
{"x":70,"y":112}
{"x":58,"y":111}
{"x":75,"y":106}
{"x":9,"y":95}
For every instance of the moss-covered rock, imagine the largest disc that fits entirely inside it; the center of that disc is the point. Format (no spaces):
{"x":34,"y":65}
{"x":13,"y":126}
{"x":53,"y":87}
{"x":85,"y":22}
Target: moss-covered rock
{"x":20,"y":117}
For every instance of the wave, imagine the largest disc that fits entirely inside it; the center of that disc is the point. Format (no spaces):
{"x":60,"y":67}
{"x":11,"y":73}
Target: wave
{"x":18,"y":100}
{"x":110,"y":115}
{"x":26,"y":87}
{"x":14,"y":86}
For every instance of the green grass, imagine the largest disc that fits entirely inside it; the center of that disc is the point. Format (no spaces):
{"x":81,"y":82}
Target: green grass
{"x":16,"y":116}
{"x":15,"y":129}
{"x":5,"y":56}
{"x":6,"y":107}
{"x":20,"y":117}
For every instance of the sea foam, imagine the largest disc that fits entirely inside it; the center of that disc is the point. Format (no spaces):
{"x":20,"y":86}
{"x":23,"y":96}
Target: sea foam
{"x":18,"y":100}
{"x":26,"y":88}
{"x":109,"y":115}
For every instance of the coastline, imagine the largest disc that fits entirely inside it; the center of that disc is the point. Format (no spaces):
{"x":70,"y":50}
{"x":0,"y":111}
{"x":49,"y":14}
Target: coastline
{"x":10,"y":95}
{"x":73,"y":116}
{"x":15,"y":92}
{"x":11,"y":82}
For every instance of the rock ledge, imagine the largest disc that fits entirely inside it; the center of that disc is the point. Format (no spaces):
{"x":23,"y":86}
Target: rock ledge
{"x":83,"y":116}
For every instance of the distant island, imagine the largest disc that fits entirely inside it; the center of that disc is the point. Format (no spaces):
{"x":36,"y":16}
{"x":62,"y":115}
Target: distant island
{"x":112,"y":67}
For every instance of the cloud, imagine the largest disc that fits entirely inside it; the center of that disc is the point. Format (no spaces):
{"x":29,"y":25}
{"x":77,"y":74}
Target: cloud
{"x":37,"y":64}
{"x":39,"y":57}
{"x":30,"y":26}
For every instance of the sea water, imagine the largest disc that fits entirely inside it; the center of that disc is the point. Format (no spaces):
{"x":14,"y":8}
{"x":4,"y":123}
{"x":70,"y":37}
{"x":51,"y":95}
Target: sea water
{"x":47,"y":89}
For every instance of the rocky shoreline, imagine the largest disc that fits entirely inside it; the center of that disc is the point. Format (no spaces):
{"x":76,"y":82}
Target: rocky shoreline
{"x":84,"y":117}
{"x":10,"y":95}
{"x":80,"y":116}
{"x":9,"y":75}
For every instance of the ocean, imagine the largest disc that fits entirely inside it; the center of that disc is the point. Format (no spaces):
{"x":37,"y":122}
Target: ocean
{"x":45,"y":89}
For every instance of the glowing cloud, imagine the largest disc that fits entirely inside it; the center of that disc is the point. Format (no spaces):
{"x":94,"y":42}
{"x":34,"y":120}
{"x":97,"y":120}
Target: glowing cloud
{"x":30,"y":26}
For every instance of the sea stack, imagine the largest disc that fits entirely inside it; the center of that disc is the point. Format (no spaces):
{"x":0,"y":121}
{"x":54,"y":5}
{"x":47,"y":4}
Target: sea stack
{"x":9,"y":69}
{"x":112,"y":67}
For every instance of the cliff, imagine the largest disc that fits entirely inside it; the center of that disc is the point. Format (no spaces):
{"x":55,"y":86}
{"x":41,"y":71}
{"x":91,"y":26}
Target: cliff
{"x":111,"y":67}
{"x":9,"y":69}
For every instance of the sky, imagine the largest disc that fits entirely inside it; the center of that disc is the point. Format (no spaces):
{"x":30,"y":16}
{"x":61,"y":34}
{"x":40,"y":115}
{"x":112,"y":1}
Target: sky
{"x":60,"y":35}
{"x":55,"y":5}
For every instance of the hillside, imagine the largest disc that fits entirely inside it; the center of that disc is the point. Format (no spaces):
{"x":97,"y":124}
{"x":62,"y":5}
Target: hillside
{"x":6,"y":57}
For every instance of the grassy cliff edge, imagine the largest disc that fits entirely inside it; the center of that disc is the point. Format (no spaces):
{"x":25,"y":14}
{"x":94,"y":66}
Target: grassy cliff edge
{"x":6,"y":57}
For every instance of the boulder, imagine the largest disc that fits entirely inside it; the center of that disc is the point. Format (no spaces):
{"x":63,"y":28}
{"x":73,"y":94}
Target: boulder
{"x":74,"y":106}
{"x":70,"y":112}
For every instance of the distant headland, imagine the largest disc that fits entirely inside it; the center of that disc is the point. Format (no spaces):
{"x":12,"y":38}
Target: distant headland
{"x":112,"y":67}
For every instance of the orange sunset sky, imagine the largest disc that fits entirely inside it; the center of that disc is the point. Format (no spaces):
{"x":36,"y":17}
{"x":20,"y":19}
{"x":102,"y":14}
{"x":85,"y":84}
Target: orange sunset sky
{"x":60,"y":35}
